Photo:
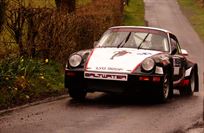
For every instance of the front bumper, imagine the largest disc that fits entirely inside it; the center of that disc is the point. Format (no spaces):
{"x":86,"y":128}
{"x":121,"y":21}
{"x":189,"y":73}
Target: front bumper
{"x":136,"y":83}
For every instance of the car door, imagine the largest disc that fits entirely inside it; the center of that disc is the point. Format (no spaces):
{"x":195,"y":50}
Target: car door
{"x":178,"y":59}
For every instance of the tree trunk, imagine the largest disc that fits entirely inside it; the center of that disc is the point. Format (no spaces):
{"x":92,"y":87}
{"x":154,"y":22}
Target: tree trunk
{"x":66,"y":5}
{"x":121,"y":6}
{"x":2,"y":13}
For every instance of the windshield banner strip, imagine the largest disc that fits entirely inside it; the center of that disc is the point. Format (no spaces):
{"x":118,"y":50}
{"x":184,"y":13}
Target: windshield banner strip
{"x":152,"y":31}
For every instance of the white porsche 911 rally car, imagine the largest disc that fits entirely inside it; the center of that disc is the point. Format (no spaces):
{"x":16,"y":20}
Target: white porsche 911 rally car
{"x":132,"y":59}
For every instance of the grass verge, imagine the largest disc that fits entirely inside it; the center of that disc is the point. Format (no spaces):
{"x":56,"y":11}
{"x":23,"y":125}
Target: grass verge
{"x":134,"y":13}
{"x":194,"y":11}
{"x":24,"y":80}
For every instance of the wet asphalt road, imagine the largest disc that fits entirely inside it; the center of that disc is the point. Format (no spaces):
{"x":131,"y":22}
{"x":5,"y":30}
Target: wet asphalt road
{"x":102,"y":113}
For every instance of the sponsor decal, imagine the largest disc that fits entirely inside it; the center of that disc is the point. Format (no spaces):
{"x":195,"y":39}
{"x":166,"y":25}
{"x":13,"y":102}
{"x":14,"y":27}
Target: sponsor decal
{"x":109,"y":68}
{"x":176,"y":70}
{"x":101,"y":68}
{"x":106,"y":76}
{"x":115,"y":69}
{"x":119,"y":53}
{"x":144,"y":54}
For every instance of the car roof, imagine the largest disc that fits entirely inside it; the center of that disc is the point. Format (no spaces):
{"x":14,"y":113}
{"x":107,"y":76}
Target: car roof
{"x":140,"y":27}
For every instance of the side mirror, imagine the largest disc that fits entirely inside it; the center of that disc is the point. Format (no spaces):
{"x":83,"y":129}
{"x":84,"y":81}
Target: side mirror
{"x":184,"y":52}
{"x":174,"y":51}
{"x":95,"y":44}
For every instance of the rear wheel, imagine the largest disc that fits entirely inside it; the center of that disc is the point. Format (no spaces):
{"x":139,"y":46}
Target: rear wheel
{"x":189,"y":89}
{"x":77,"y":94}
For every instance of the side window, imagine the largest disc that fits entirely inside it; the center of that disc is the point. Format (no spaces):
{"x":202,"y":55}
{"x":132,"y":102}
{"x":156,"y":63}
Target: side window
{"x":174,"y":43}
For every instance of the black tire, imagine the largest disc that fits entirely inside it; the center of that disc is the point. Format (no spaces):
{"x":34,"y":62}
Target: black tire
{"x":189,"y":89}
{"x":166,"y":89}
{"x":77,"y":94}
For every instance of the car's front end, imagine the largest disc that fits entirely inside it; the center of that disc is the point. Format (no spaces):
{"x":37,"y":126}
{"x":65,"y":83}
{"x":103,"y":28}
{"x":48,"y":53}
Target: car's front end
{"x":131,"y":82}
{"x":116,"y":70}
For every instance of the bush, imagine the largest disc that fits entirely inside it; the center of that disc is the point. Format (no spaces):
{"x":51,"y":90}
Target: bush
{"x":51,"y":34}
{"x":24,"y":80}
{"x":61,"y":34}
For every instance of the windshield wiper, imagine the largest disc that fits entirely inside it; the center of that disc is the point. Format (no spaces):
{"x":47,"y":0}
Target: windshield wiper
{"x":143,"y":41}
{"x":126,"y":39}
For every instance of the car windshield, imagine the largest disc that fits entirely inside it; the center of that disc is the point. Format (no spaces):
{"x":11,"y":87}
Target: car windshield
{"x":134,"y":39}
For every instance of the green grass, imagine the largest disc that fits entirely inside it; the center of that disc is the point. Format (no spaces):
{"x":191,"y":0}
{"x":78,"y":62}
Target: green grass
{"x":134,"y":13}
{"x":195,"y":13}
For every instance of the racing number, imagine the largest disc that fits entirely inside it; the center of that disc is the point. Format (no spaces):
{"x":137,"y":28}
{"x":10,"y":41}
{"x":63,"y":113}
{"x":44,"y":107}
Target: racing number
{"x":178,"y":59}
{"x":179,"y":68}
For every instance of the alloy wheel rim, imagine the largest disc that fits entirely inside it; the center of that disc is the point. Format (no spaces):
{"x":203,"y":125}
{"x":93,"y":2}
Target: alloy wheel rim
{"x":166,"y":88}
{"x":192,"y":82}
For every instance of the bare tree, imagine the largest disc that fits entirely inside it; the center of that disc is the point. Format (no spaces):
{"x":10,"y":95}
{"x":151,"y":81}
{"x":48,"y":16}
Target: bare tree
{"x":15,"y":25}
{"x":66,"y":5}
{"x":34,"y":18}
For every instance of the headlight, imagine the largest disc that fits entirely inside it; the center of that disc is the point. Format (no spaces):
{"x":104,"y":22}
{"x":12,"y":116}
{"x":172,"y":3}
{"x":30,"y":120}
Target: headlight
{"x":148,"y":64}
{"x":75,"y":60}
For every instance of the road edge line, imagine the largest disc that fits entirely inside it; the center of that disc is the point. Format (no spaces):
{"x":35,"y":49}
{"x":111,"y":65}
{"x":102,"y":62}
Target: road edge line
{"x":47,"y":100}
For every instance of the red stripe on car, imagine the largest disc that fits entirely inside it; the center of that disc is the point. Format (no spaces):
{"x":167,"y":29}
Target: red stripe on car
{"x":135,"y":68}
{"x":86,"y":65}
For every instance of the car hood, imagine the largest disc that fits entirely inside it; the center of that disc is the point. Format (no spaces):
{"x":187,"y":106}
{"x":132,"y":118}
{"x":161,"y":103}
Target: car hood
{"x":122,"y":60}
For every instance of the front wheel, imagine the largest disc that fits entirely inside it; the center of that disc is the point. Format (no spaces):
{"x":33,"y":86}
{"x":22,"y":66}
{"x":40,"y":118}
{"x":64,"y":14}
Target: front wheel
{"x":77,"y":94}
{"x":165,"y":90}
